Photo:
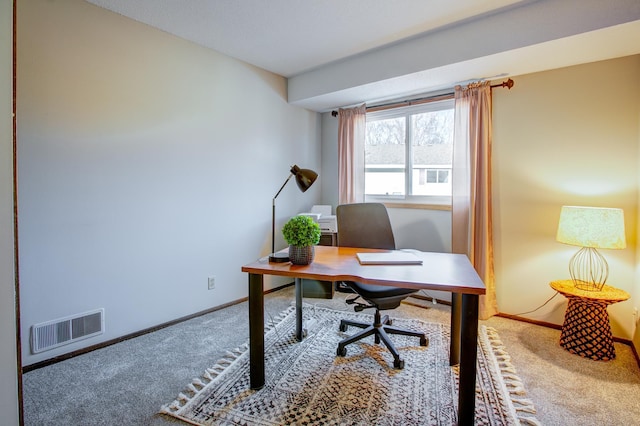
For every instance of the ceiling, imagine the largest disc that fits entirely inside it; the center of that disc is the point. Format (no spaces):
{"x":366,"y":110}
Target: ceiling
{"x":288,"y":37}
{"x":310,"y":41}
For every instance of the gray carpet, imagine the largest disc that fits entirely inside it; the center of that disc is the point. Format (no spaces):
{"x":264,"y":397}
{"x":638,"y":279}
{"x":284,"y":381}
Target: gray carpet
{"x":127,"y":383}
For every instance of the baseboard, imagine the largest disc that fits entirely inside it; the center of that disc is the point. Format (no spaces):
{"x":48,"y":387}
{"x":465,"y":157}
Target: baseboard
{"x":54,"y":360}
{"x":530,"y":321}
{"x":635,"y":352}
{"x":559,"y":327}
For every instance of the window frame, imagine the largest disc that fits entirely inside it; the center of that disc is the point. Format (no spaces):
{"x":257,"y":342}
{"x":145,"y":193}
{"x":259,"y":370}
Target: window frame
{"x":410,"y":200}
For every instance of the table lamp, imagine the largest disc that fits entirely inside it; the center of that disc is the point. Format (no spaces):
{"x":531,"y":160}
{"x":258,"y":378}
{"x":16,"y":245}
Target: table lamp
{"x":304,"y":179}
{"x":591,"y":228}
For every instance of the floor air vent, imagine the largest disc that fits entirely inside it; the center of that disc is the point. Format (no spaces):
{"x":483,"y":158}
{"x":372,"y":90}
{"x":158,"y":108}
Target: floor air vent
{"x":51,"y":334}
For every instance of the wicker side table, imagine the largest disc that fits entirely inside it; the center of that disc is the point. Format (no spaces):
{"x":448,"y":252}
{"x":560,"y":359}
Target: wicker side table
{"x":586,"y":330}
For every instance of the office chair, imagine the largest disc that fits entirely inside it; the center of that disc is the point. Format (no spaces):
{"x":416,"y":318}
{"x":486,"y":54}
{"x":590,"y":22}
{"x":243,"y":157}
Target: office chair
{"x":367,"y":225}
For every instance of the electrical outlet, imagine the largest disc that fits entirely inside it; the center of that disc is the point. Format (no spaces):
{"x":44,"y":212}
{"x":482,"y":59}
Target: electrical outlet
{"x":635,"y":315}
{"x":212,"y":283}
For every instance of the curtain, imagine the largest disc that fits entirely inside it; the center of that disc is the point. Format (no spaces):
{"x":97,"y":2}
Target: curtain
{"x":471,"y":221}
{"x":351,"y":133}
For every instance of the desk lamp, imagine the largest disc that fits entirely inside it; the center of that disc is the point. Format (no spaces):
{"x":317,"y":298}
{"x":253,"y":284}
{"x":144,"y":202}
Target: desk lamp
{"x":304,"y":179}
{"x":591,"y":228}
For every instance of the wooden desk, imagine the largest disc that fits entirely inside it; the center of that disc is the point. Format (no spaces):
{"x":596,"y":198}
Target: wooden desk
{"x":586,"y":330}
{"x":439,"y":271}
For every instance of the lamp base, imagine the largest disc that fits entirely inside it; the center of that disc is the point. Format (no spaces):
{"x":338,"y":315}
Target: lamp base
{"x":278,"y":258}
{"x":589,"y":269}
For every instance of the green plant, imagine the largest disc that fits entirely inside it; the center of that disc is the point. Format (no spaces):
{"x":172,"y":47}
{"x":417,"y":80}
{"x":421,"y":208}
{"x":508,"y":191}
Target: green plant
{"x":301,"y":231}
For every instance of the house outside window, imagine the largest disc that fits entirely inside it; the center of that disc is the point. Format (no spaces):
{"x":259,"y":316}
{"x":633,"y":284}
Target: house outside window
{"x":408,"y":154}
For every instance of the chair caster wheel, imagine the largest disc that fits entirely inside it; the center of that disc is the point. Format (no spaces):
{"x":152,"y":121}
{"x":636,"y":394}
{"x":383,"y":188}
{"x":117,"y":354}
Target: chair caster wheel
{"x":341,"y":351}
{"x":423,"y":341}
{"x":390,"y":322}
{"x":343,"y":327}
{"x":398,"y":363}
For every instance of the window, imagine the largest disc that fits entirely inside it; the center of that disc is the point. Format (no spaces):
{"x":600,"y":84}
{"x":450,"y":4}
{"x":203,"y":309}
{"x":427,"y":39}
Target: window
{"x":408,"y":154}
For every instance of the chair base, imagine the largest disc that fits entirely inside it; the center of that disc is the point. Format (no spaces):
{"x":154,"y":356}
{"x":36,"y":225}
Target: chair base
{"x":381,"y":328}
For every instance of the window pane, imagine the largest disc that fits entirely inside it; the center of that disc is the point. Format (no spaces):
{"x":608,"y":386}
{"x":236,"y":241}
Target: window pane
{"x":432,"y":150}
{"x":385,"y":157}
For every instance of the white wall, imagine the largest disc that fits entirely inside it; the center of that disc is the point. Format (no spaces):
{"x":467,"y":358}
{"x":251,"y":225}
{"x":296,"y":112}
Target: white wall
{"x":563,"y":137}
{"x":146,"y":164}
{"x":8,"y":352}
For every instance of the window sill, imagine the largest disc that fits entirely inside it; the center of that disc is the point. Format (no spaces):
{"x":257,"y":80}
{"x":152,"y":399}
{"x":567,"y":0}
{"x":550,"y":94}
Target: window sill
{"x":416,"y":202}
{"x":418,"y":206}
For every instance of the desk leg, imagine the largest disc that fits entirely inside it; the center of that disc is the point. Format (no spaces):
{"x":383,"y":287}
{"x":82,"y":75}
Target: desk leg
{"x":299,"y":335}
{"x":256,"y":331}
{"x":456,"y":317}
{"x":468,"y":358}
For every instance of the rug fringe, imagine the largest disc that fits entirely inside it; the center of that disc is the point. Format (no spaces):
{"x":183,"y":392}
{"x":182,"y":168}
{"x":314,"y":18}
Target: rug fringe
{"x":199,"y":384}
{"x":274,"y":321}
{"x":524,"y":407}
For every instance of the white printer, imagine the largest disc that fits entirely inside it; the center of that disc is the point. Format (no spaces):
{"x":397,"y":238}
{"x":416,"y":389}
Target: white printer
{"x":328,"y":224}
{"x":322,"y":215}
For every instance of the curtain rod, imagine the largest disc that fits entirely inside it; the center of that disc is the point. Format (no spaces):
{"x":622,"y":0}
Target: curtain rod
{"x":508,"y":84}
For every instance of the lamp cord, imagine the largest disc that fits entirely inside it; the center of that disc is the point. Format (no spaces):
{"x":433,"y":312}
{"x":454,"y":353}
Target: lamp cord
{"x":539,"y":307}
{"x":426,"y":294}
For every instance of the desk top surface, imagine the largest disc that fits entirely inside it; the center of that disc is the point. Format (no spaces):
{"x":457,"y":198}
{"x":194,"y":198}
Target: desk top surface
{"x":438,"y":271}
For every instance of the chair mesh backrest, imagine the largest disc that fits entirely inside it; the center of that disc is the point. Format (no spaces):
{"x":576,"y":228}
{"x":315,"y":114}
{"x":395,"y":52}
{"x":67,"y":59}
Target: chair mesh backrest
{"x":364,"y":225}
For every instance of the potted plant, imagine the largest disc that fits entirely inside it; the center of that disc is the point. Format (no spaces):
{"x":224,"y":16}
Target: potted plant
{"x":302,"y":233}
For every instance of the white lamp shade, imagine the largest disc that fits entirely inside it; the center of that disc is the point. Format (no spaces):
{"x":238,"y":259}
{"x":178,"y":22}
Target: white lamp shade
{"x":592,"y":227}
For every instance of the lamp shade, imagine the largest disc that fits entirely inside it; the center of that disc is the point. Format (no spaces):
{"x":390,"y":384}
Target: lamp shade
{"x":304,"y":177}
{"x":595,"y":227}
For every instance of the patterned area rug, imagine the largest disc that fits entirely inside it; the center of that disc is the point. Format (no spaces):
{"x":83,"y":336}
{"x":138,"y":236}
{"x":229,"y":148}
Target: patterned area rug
{"x":307,"y":384}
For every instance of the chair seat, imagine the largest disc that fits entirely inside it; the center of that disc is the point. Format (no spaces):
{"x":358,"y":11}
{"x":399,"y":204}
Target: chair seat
{"x":382,"y":297}
{"x":370,"y":291}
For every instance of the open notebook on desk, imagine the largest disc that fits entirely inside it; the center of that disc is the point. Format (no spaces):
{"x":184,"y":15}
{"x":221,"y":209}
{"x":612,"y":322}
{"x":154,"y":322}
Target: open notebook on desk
{"x":389,"y":258}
